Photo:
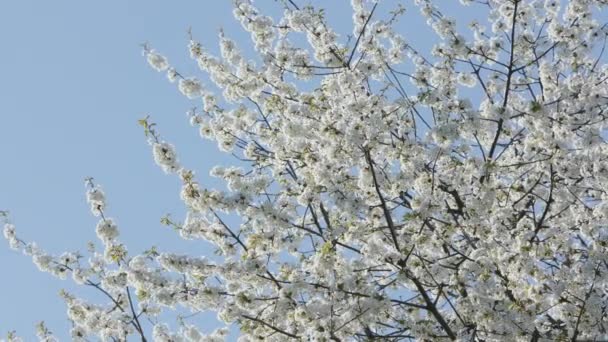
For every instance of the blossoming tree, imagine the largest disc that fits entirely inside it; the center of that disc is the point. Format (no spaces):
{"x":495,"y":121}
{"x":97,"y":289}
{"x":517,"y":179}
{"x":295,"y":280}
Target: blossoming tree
{"x":384,"y":203}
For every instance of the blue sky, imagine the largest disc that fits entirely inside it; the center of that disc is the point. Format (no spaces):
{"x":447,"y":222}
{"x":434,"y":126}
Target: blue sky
{"x":73,"y":85}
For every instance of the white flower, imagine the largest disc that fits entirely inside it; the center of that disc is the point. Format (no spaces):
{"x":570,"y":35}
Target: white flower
{"x":466,"y":79}
{"x":9,"y":231}
{"x":78,"y":334}
{"x":218,"y":335}
{"x":191,"y":87}
{"x":106,"y":230}
{"x":10,"y":236}
{"x":172,"y":75}
{"x":206,"y":130}
{"x":192,"y":333}
{"x":165,"y":157}
{"x":161,"y":333}
{"x":157,"y":61}
{"x":138,"y":262}
{"x":552,"y":6}
{"x":43,"y":261}
{"x":97,"y":200}
{"x":80,"y":276}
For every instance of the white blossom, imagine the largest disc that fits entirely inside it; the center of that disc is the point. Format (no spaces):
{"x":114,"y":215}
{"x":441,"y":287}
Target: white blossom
{"x":157,"y":61}
{"x":190,"y":87}
{"x":165,"y":156}
{"x":106,"y":230}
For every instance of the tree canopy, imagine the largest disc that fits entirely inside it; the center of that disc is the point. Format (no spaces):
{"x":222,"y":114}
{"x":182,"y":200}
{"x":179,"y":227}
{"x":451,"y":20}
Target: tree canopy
{"x":382,"y":192}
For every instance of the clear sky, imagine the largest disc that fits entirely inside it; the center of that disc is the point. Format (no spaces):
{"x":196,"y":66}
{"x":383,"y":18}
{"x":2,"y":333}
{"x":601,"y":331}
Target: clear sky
{"x":73,"y":85}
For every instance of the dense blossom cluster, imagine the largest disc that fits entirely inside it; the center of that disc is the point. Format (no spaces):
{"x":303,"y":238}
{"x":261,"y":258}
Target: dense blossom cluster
{"x":386,"y":202}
